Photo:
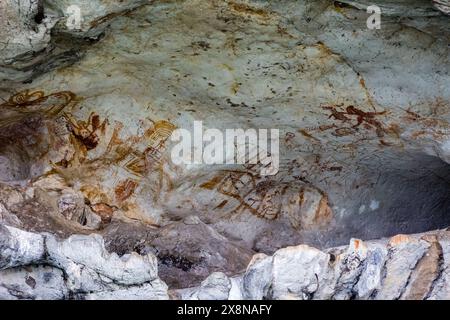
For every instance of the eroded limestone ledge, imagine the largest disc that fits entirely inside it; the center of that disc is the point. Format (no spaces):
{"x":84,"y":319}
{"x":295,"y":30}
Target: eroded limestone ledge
{"x":37,"y":266}
{"x":38,"y":35}
{"x":403,"y":267}
{"x":363,"y":115}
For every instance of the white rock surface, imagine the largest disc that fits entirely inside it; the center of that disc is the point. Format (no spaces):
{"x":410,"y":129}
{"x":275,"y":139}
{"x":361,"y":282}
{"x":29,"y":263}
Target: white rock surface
{"x":28,"y":29}
{"x":403,"y":267}
{"x":93,"y":267}
{"x":217,"y":286}
{"x":87,"y":267}
{"x":33,"y":282}
{"x":19,"y":248}
{"x":155,"y":290}
{"x":257,"y":279}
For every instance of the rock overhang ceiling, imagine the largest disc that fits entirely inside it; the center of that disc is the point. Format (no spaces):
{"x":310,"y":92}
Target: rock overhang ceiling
{"x":363,"y":118}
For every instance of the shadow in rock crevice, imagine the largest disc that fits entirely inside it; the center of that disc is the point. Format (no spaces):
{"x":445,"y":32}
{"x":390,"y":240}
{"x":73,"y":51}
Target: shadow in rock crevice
{"x":410,"y":194}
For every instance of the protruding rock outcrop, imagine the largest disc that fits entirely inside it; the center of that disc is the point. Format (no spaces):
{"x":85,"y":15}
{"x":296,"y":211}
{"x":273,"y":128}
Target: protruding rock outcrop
{"x":187,"y":251}
{"x":38,"y":266}
{"x":39,"y":35}
{"x":443,"y":5}
{"x":402,"y":267}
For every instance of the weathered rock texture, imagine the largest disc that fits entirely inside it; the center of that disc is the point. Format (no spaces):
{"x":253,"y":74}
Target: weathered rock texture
{"x":402,"y":267}
{"x":443,"y":5}
{"x":39,"y":35}
{"x":187,"y":251}
{"x":87,"y":107}
{"x":38,"y":266}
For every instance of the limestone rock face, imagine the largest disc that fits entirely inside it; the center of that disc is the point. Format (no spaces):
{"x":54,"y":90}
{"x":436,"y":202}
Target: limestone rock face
{"x":83,"y":18}
{"x":93,"y":205}
{"x":155,"y":290}
{"x":361,"y":131}
{"x":403,"y":267}
{"x":7,"y":218}
{"x":38,"y":266}
{"x":20,"y":248}
{"x":443,"y":5}
{"x":24,"y":33}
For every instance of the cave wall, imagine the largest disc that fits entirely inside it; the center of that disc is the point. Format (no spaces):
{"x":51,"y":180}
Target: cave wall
{"x":86,"y":115}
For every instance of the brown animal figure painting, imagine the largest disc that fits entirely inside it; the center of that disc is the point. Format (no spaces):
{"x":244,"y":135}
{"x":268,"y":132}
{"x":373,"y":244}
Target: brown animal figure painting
{"x":362,"y":118}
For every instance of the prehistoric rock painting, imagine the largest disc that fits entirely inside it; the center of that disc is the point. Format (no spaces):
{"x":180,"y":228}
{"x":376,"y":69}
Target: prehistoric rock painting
{"x":124,"y":189}
{"x":366,"y":119}
{"x":425,"y":127}
{"x":304,"y":207}
{"x":149,"y":161}
{"x":27,"y":102}
{"x":85,"y":133}
{"x":157,"y":138}
{"x":120,"y":163}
